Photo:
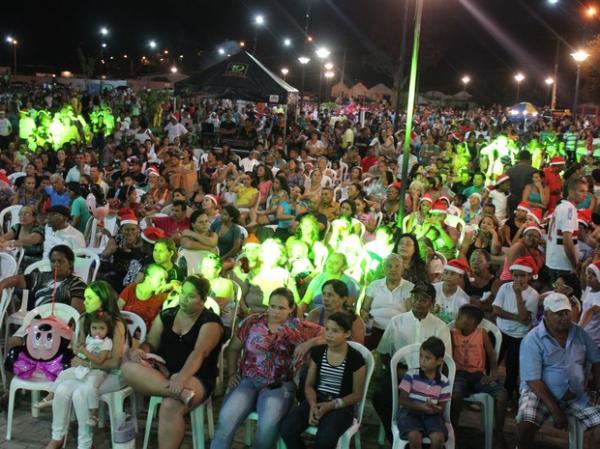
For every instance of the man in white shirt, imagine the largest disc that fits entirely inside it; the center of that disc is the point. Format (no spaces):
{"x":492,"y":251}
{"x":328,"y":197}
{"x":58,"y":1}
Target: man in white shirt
{"x":248,"y":163}
{"x":80,"y":168}
{"x":499,"y":196}
{"x":175,"y":129}
{"x":515,"y":307}
{"x":60,"y":232}
{"x":5,"y":131}
{"x":405,"y":329}
{"x":562,"y":254}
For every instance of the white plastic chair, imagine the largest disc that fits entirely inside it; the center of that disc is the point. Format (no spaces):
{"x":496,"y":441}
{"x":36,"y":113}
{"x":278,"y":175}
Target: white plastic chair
{"x":97,"y":241}
{"x":486,"y":400}
{"x":87,"y":264}
{"x":193,"y":259}
{"x":410,"y":355}
{"x":244,"y":232}
{"x":221,"y":363}
{"x":38,"y":382}
{"x":16,"y":319}
{"x":115,"y":400}
{"x":16,"y":175}
{"x":354,"y":430}
{"x":8,"y":265}
{"x":9,"y":216}
{"x":5,"y":300}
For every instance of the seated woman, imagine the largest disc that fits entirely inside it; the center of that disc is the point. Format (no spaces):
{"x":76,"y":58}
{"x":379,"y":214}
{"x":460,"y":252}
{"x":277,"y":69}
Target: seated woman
{"x":247,"y":197}
{"x":270,"y":276}
{"x":26,"y":234}
{"x":264,"y":380}
{"x":188,"y":337}
{"x":334,"y":385}
{"x":345,"y":221}
{"x":146,"y":298}
{"x":222,"y":289}
{"x":335,"y":266}
{"x":487,"y":238}
{"x":99,"y":297}
{"x":228,"y":232}
{"x":41,"y":283}
{"x":199,"y":237}
{"x":335,"y":297}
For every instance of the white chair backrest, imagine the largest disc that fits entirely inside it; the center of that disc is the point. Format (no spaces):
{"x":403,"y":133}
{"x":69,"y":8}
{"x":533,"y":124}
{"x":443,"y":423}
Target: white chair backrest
{"x":110,"y":224}
{"x":8,"y":265}
{"x":63,"y":312}
{"x":370,"y":368}
{"x":5,"y":300}
{"x":379,"y":219}
{"x":87,"y":264}
{"x":16,"y":175}
{"x":213,"y":305}
{"x":244,"y":232}
{"x":193,"y":259}
{"x":41,"y":265}
{"x":97,"y":241}
{"x":135,"y":323}
{"x":410,"y":355}
{"x":9,"y":216}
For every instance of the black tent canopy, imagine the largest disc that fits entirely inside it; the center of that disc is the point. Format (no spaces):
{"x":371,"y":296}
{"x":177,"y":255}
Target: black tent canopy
{"x":242,"y":77}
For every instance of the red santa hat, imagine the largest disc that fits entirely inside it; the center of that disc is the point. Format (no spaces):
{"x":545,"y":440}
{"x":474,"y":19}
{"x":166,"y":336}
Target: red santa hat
{"x":532,"y":228}
{"x":152,"y":171}
{"x":152,"y":234}
{"x":127,"y":216}
{"x":557,"y":160}
{"x":536,"y":214}
{"x":426,"y":197}
{"x":584,"y":216}
{"x":526,"y":264}
{"x":445,"y":198}
{"x":213,"y":198}
{"x":459,"y":266}
{"x":523,"y":205}
{"x":502,"y":178}
{"x":439,"y":207}
{"x":595,"y":268}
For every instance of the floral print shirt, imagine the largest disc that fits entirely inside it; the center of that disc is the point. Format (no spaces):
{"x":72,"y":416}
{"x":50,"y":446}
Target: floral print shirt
{"x":269,"y":356}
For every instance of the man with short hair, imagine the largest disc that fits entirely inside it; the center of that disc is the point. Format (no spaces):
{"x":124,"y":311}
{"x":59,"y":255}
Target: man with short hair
{"x":554,"y":357}
{"x":328,"y":206}
{"x":520,"y":175}
{"x":176,"y":223}
{"x":174,"y":129}
{"x":59,"y":232}
{"x":96,"y":173}
{"x":80,"y":168}
{"x":57,"y":191}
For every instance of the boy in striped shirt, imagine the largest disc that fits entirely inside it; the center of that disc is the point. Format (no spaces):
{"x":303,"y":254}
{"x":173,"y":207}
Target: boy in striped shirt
{"x":424,"y":392}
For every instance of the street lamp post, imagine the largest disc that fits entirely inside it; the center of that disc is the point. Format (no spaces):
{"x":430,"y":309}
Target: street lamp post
{"x":550,"y":83}
{"x":519,"y":77}
{"x":284,"y":72}
{"x":579,"y":56}
{"x":303,"y":60}
{"x":410,"y":107}
{"x":322,"y":53}
{"x":12,"y":41}
{"x":329,"y":74}
{"x":259,"y":20}
{"x":465,"y":80}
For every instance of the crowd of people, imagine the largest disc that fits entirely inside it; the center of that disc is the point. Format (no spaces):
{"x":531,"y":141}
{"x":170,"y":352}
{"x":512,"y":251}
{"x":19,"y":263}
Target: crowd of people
{"x":287,"y":252}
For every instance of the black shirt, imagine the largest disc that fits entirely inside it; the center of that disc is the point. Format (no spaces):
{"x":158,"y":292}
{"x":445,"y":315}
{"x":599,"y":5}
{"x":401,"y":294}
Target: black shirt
{"x":353,"y":362}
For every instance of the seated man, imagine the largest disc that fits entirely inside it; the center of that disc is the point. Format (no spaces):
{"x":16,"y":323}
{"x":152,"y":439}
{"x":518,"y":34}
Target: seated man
{"x":176,"y":223}
{"x":553,"y":361}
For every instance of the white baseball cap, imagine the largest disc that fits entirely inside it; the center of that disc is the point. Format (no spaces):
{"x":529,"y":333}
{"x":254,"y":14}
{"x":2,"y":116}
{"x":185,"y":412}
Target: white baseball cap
{"x":556,"y":302}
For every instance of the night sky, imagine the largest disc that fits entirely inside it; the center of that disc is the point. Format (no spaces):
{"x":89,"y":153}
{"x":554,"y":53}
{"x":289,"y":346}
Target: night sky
{"x":488,"y":39}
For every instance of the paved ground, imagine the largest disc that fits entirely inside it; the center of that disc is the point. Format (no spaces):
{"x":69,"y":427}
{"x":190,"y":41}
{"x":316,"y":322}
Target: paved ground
{"x":32,"y":433}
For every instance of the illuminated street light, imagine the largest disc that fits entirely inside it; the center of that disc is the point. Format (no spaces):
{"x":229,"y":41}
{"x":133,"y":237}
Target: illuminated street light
{"x":287,"y":42}
{"x":466,"y":80}
{"x":303,"y":60}
{"x":166,"y":52}
{"x":221,"y":51}
{"x":328,"y":66}
{"x":519,"y":78}
{"x":591,"y":11}
{"x":12,"y":41}
{"x":329,"y":74}
{"x":549,"y":81}
{"x":152,"y":44}
{"x":553,"y":2}
{"x":242,"y":44}
{"x":103,"y":45}
{"x":580,"y":57}
{"x":259,"y":21}
{"x":322,"y":52}
{"x":284,"y":72}
{"x":174,"y":69}
{"x":104,"y":31}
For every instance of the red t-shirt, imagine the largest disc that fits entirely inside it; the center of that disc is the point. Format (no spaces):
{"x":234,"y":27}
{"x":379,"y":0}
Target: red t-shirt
{"x":170,"y":226}
{"x":147,"y":309}
{"x":367,"y":162}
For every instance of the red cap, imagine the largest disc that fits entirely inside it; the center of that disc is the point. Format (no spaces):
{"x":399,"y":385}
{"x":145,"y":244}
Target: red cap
{"x":439,"y":207}
{"x":584,"y":216}
{"x":127,"y":216}
{"x":459,"y":266}
{"x":213,"y":198}
{"x":426,"y":197}
{"x":523,"y":205}
{"x":152,"y":234}
{"x":526,"y":264}
{"x":502,"y":178}
{"x":557,"y":160}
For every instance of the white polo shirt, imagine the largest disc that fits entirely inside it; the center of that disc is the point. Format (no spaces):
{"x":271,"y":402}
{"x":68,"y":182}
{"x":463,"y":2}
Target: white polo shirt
{"x":507,"y":301}
{"x":448,"y":305}
{"x":564,"y":219}
{"x":405,"y":329}
{"x":387,"y":304}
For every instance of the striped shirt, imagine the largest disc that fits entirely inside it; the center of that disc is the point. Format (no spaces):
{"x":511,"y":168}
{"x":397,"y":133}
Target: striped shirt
{"x":330,"y":377}
{"x":422,"y":389}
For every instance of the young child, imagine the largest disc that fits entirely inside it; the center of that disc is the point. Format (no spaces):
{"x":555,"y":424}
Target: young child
{"x":471,"y":347}
{"x":98,"y":345}
{"x":590,"y":318}
{"x":424,"y":392}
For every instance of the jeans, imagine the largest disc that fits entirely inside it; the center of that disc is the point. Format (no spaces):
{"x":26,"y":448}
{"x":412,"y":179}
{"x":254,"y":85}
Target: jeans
{"x":331,"y":427}
{"x":271,"y":406}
